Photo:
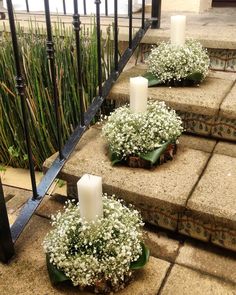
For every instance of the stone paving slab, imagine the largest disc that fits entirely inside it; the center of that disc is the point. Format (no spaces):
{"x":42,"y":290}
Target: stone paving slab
{"x":213,"y":201}
{"x":51,"y":205}
{"x":19,"y":198}
{"x":208,"y":259}
{"x":228,"y":107}
{"x":15,"y":199}
{"x":226,"y":148}
{"x":215,"y":192}
{"x":184,"y":281}
{"x":197,"y":143}
{"x":204,"y":100}
{"x":27,"y":273}
{"x":157,"y":192}
{"x":161,"y":245}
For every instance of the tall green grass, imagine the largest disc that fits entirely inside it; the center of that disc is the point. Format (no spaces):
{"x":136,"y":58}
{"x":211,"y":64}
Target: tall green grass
{"x":42,"y":122}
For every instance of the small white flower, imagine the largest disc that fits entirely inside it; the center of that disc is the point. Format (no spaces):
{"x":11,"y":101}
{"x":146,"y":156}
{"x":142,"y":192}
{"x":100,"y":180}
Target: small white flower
{"x":169,"y":62}
{"x":129,"y":133}
{"x":85,"y":252}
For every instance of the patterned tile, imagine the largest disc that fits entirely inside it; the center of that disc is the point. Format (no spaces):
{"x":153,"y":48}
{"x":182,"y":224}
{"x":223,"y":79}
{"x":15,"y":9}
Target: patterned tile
{"x":224,"y":128}
{"x":224,"y":237}
{"x":160,"y":217}
{"x":231,"y":61}
{"x":194,"y":227}
{"x":196,"y":123}
{"x":218,"y":58}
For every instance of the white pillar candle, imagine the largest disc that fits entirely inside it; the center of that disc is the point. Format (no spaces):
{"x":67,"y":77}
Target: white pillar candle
{"x":90,"y":197}
{"x":138,"y":94}
{"x":178,"y":24}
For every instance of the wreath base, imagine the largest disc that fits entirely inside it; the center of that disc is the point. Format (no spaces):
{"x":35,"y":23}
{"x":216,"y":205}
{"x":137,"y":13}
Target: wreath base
{"x":137,"y":162}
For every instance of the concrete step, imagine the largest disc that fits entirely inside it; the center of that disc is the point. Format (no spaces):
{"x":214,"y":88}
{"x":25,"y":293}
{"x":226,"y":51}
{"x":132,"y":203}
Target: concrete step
{"x":208,"y":110}
{"x":215,"y":29}
{"x":173,"y":260}
{"x":193,"y":194}
{"x":193,"y":270}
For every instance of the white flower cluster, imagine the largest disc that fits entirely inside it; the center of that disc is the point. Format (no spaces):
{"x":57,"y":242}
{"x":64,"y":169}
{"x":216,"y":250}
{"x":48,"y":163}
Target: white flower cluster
{"x":90,"y":252}
{"x":174,"y":63}
{"x":130,"y":134}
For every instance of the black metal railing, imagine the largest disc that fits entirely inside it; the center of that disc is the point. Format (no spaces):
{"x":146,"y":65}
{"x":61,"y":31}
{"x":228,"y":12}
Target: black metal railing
{"x":8,"y":236}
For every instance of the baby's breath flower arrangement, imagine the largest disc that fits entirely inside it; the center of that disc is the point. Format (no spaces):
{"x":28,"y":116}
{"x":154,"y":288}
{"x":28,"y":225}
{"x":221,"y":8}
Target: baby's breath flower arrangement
{"x":177,"y":65}
{"x":147,"y":135}
{"x":100,"y":255}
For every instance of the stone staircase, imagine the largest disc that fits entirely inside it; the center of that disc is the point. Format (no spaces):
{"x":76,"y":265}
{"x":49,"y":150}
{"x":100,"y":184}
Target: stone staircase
{"x":194,"y":195}
{"x":208,"y":110}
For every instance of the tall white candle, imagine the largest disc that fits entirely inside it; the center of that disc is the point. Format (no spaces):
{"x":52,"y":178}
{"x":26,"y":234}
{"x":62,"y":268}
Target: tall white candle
{"x":178,"y":24}
{"x":90,"y":197}
{"x":138,"y":94}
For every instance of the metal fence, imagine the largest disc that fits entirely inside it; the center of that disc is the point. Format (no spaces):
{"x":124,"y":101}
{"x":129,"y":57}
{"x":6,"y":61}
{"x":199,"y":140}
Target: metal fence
{"x":8,"y":236}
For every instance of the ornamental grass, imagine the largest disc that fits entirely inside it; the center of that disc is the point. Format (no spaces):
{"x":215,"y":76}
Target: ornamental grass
{"x":39,"y":99}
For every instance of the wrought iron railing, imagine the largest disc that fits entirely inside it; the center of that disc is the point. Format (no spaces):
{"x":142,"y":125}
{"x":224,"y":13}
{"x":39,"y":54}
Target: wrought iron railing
{"x":9,"y":235}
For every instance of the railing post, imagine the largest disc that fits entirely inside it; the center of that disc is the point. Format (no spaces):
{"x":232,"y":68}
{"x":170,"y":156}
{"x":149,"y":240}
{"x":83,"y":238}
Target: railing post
{"x":130,"y":13}
{"x":27,"y":5}
{"x":20,"y":85}
{"x":116,"y":34}
{"x":6,"y":244}
{"x":156,"y":14}
{"x":143,"y":13}
{"x":106,"y":8}
{"x":98,"y":2}
{"x":76,"y":23}
{"x":85,"y":8}
{"x":51,"y":58}
{"x":64,"y":6}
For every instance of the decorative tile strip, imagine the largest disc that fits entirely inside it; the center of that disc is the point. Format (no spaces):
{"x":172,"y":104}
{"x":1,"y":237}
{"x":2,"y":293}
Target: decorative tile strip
{"x":218,"y":58}
{"x":224,"y":128}
{"x":231,"y":61}
{"x":196,"y":123}
{"x":197,"y":229}
{"x":224,"y":237}
{"x":162,"y":217}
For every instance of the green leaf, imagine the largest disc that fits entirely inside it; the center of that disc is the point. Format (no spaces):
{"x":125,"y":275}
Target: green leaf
{"x":114,"y":158}
{"x":154,"y":155}
{"x":152,"y":80}
{"x":56,"y":276}
{"x":196,"y":77}
{"x":142,"y":260}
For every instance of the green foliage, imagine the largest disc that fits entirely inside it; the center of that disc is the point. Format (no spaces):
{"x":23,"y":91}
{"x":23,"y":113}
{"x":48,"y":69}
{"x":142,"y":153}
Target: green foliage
{"x":39,"y":92}
{"x":56,"y":276}
{"x":154,"y":155}
{"x":142,"y":260}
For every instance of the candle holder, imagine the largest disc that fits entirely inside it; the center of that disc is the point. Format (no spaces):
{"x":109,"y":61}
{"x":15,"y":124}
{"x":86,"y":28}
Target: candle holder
{"x":177,"y":65}
{"x":142,"y":140}
{"x":98,"y":256}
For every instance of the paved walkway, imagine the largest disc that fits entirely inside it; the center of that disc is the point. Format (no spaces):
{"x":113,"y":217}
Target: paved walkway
{"x":178,"y":265}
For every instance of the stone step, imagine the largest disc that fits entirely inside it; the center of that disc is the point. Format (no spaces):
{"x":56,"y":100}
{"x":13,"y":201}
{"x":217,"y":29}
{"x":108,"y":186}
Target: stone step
{"x":205,"y":268}
{"x":215,"y":29}
{"x":193,"y":194}
{"x":208,"y":110}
